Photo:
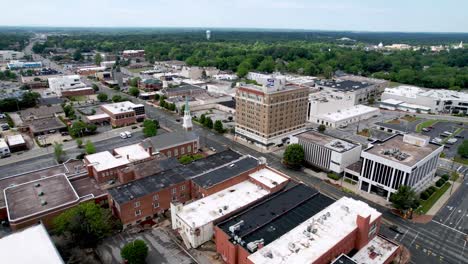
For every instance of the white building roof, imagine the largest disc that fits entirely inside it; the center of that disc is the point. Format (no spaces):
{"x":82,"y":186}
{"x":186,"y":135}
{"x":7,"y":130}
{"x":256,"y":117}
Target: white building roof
{"x":268,"y":177}
{"x":105,"y":160}
{"x":391,"y":102}
{"x":133,"y":152}
{"x":122,"y":107}
{"x":445,"y":94}
{"x":377,"y":251}
{"x":31,"y":245}
{"x":212,"y":207}
{"x":67,"y":82}
{"x":15,"y":140}
{"x":332,"y":225}
{"x":132,"y":51}
{"x":348,"y":113}
{"x":97,"y":116}
{"x":3,"y":143}
{"x":405,"y":91}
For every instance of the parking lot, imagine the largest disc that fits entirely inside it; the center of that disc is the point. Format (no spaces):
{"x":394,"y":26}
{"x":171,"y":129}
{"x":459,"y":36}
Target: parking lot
{"x":161,"y":248}
{"x":442,"y":126}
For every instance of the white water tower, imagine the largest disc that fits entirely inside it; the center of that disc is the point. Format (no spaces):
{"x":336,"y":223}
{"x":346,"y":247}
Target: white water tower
{"x":208,"y":34}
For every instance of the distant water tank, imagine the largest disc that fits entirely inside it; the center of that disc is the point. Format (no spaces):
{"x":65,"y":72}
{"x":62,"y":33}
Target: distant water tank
{"x":208,"y":34}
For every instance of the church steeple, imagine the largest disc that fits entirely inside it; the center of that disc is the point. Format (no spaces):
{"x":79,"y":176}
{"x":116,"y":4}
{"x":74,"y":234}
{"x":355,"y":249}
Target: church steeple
{"x":187,"y":124}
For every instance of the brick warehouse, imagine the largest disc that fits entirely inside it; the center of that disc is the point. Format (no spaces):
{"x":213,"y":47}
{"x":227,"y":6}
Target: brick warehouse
{"x":300,"y":225}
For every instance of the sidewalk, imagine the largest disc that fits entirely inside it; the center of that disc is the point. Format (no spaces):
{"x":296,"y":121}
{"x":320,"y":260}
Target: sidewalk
{"x":443,"y":199}
{"x":66,"y":145}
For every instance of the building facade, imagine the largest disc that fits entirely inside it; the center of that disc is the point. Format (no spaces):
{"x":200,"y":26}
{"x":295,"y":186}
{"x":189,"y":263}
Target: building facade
{"x":409,"y":160}
{"x":124,"y":113}
{"x":268,"y":115}
{"x":8,"y":55}
{"x":326,"y":152}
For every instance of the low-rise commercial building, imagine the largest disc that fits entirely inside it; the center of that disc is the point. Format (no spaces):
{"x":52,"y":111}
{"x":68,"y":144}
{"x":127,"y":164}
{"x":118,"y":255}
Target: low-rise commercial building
{"x":409,"y":160}
{"x":104,"y":166}
{"x":174,"y":144}
{"x":346,"y":116}
{"x":327,"y":152}
{"x":16,"y":143}
{"x":44,"y":126}
{"x":132,"y":54}
{"x":362,"y":90}
{"x":124,"y":113}
{"x":69,"y":85}
{"x":90,"y":70}
{"x":150,"y":84}
{"x":8,"y":55}
{"x":31,"y":245}
{"x":184,"y":90}
{"x":416,"y":99}
{"x":18,"y":65}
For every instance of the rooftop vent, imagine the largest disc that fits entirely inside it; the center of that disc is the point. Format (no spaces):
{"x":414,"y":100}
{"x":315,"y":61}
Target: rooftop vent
{"x":43,"y":202}
{"x":40,"y":194}
{"x":37,"y":185}
{"x":395,"y":153}
{"x":235,"y":227}
{"x":252,"y":246}
{"x":293,"y":247}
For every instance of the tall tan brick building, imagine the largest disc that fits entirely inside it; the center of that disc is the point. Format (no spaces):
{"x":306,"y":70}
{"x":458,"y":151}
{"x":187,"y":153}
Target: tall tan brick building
{"x":267,"y":115}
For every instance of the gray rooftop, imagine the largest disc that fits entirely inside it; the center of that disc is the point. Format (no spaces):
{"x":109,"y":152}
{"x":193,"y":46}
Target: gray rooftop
{"x":163,"y":179}
{"x":345,"y":85}
{"x":327,"y":141}
{"x":169,"y":139}
{"x":226,"y":172}
{"x":184,"y":87}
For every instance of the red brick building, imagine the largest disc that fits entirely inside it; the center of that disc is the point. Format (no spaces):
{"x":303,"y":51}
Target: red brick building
{"x":104,"y":167}
{"x":130,"y":54}
{"x":150,"y":84}
{"x":175,"y":144}
{"x":308,"y":226}
{"x":124,"y":113}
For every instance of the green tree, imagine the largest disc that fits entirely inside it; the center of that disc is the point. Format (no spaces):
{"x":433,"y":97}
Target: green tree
{"x":293,"y":156}
{"x":102,"y":97}
{"x":149,"y":128}
{"x":162,"y":102}
{"x":322,"y":128}
{"x":134,"y":81}
{"x":404,"y":199}
{"x":202,"y":119}
{"x":156,"y":97}
{"x":89,"y":147}
{"x":463,"y":149}
{"x":77,"y":56}
{"x":81,"y":129}
{"x":95,"y":87}
{"x":98,"y":59}
{"x":133,"y":91}
{"x":371,"y":101}
{"x":243,"y":69}
{"x":117,"y":98}
{"x":208,"y":123}
{"x":86,"y":224}
{"x":328,"y":72}
{"x":79,"y":142}
{"x":59,"y":152}
{"x":135,"y":252}
{"x":218,"y":126}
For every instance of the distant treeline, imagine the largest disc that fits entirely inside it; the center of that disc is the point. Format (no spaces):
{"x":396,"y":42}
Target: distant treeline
{"x":279,"y":51}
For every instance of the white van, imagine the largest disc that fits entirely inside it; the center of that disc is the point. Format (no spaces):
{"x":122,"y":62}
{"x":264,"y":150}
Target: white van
{"x":128,"y":133}
{"x":123,"y":135}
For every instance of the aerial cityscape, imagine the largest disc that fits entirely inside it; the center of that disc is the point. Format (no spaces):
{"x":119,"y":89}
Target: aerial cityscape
{"x":175,"y":132}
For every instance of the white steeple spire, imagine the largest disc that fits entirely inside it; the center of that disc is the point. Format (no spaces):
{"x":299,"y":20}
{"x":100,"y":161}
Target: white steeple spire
{"x":187,"y":124}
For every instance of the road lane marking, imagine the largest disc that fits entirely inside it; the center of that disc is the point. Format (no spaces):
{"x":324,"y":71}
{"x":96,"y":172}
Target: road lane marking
{"x":451,"y":228}
{"x":414,"y":239}
{"x":403,"y":237}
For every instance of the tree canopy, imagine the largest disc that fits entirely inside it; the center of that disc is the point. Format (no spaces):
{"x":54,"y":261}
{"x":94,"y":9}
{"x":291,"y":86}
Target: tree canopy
{"x":463,"y":149}
{"x":404,"y":199}
{"x":135,"y":252}
{"x":150,"y":128}
{"x":293,"y":155}
{"x":89,"y":147}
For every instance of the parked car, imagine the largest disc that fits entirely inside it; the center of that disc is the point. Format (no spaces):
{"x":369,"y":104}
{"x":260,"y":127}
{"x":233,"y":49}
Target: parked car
{"x":452,"y":141}
{"x":395,"y":229}
{"x":212,"y":149}
{"x":426,"y":129}
{"x":5,"y":127}
{"x":123,"y":135}
{"x":128,"y":133}
{"x":2,"y":116}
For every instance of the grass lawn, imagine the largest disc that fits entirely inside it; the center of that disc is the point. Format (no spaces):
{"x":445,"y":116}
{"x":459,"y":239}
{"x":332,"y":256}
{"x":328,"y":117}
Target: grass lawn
{"x":410,"y":118}
{"x":427,"y":205}
{"x":461,"y":160}
{"x":365,"y":132}
{"x":394,"y":121}
{"x":137,"y":70}
{"x":425,"y":124}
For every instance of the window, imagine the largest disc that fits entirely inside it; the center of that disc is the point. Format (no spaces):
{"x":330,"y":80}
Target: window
{"x":182,"y":188}
{"x":137,"y":204}
{"x":176,"y":152}
{"x":182,"y":150}
{"x":137,"y":212}
{"x":174,"y":190}
{"x":155,"y":197}
{"x":189,"y":149}
{"x":156,"y":205}
{"x":169,"y":154}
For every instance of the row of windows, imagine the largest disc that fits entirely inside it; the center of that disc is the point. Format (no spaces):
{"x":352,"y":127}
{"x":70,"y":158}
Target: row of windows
{"x":176,"y":151}
{"x":422,"y":171}
{"x":121,"y":116}
{"x":156,"y":196}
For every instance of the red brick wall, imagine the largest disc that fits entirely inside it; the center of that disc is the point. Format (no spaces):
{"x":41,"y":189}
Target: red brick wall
{"x":224,"y":247}
{"x":3,"y":213}
{"x":242,"y":255}
{"x":127,"y":210}
{"x":179,"y":149}
{"x":78,"y":92}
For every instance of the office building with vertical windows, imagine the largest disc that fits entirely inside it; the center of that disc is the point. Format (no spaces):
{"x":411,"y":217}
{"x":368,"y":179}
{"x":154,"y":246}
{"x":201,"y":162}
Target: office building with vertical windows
{"x":268,"y":115}
{"x":408,"y":159}
{"x":326,"y":152}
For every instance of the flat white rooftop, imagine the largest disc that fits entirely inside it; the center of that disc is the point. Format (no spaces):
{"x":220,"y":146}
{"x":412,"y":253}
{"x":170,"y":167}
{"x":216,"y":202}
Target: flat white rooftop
{"x":377,"y":251}
{"x":97,"y":116}
{"x":133,"y":152}
{"x":122,"y":107}
{"x":105,"y":160}
{"x":332,"y":225}
{"x":15,"y":140}
{"x":348,"y":113}
{"x":3,"y":143}
{"x":414,"y":106}
{"x":405,"y":91}
{"x":391,"y":101}
{"x":212,"y":207}
{"x":268,"y":177}
{"x":31,"y":245}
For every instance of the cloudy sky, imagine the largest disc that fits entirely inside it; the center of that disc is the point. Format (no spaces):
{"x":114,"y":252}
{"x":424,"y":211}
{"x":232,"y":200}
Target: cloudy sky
{"x":366,"y":15}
